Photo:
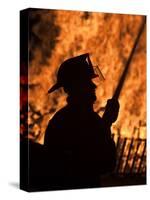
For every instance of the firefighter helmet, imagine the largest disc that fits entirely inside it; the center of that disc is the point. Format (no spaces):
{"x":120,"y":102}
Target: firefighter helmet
{"x":74,"y":70}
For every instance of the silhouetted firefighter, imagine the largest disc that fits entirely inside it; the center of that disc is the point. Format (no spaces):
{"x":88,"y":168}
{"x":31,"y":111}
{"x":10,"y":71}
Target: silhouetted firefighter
{"x":78,"y":141}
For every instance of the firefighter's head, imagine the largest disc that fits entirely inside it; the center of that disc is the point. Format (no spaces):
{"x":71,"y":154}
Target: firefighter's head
{"x":75,"y":76}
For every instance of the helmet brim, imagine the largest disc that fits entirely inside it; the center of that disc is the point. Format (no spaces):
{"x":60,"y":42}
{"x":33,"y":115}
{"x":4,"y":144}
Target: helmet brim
{"x":54,"y":87}
{"x":57,"y":85}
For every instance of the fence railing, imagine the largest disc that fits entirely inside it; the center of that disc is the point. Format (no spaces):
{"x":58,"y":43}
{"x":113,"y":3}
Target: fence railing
{"x":131,"y":155}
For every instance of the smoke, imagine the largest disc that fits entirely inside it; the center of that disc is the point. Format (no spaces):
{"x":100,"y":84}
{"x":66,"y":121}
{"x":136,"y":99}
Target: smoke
{"x":43,"y":34}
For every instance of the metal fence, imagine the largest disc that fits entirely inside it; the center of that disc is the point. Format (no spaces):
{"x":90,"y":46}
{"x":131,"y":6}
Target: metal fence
{"x":131,"y":155}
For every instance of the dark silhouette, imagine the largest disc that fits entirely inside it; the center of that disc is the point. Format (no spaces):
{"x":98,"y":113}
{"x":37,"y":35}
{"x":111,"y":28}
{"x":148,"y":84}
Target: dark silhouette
{"x":78,"y":145}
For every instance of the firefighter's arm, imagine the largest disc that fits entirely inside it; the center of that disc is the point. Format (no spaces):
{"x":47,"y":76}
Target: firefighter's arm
{"x":111,"y":111}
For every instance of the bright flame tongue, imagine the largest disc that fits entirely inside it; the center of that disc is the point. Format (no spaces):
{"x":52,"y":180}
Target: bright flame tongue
{"x":109,"y":38}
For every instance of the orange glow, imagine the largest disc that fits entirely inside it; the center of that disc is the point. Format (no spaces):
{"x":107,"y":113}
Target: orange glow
{"x":109,"y":39}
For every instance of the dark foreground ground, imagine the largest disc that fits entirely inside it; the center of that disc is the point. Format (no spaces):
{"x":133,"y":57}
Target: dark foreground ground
{"x":123,"y":180}
{"x":112,"y":180}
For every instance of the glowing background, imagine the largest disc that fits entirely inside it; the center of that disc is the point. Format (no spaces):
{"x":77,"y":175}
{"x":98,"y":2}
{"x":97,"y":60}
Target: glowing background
{"x":58,"y":35}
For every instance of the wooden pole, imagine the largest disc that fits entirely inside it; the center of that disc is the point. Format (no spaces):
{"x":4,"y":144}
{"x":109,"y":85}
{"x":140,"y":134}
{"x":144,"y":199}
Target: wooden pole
{"x":124,"y":74}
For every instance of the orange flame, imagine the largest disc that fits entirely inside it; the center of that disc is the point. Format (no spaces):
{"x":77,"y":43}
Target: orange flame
{"x":109,"y":38}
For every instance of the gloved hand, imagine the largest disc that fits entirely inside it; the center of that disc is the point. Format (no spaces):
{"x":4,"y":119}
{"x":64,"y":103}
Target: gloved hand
{"x":111,"y":111}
